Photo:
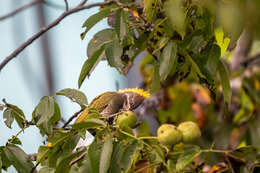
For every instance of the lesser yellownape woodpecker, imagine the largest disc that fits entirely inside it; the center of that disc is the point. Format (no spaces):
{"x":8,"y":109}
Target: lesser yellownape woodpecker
{"x":110,"y":103}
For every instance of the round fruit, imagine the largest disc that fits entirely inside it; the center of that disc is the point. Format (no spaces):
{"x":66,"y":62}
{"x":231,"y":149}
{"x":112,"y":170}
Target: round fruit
{"x":127,"y":118}
{"x":169,"y":135}
{"x":190,"y":131}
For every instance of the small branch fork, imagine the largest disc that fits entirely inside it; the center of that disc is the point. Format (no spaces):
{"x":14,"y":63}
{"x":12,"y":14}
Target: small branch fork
{"x":76,"y":9}
{"x":67,"y":5}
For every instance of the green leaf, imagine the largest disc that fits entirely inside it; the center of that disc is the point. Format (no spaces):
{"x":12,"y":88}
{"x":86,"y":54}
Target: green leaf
{"x":246,"y":109}
{"x":100,"y":38}
{"x":193,"y":63}
{"x":221,"y":41}
{"x":177,"y":16}
{"x":62,"y":144}
{"x":13,"y":112}
{"x":65,"y":154}
{"x":46,"y":169}
{"x":18,"y":158}
{"x":116,"y":158}
{"x":129,"y":155}
{"x":121,"y":25}
{"x":227,"y":91}
{"x":106,"y":154}
{"x":155,"y":83}
{"x":161,"y":43}
{"x":94,"y":19}
{"x":246,"y":154}
{"x":75,"y":95}
{"x":90,"y":123}
{"x":46,"y":114}
{"x":157,"y":154}
{"x":196,"y":44}
{"x":64,"y":163}
{"x":124,"y":155}
{"x":114,"y":52}
{"x":213,"y":59}
{"x":150,"y":9}
{"x":6,"y":163}
{"x":15,"y":140}
{"x":187,"y":157}
{"x":208,"y":61}
{"x":83,"y":167}
{"x":9,"y":118}
{"x":94,"y":153}
{"x":42,"y":154}
{"x":57,"y":115}
{"x":61,"y":136}
{"x":89,"y":65}
{"x":168,"y":58}
{"x":61,"y":150}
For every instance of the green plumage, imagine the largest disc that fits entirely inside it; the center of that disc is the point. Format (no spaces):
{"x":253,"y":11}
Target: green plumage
{"x":110,"y":103}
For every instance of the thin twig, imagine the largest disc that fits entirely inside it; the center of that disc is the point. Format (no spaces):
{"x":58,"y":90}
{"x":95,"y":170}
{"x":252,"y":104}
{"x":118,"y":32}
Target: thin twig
{"x":20,"y":9}
{"x":72,"y":117}
{"x":148,"y":137}
{"x":33,"y":169}
{"x":79,"y":158}
{"x":78,"y":8}
{"x":216,"y":151}
{"x":13,"y":138}
{"x":54,"y":5}
{"x":242,"y":49}
{"x":83,"y":3}
{"x":251,"y":60}
{"x":67,"y":5}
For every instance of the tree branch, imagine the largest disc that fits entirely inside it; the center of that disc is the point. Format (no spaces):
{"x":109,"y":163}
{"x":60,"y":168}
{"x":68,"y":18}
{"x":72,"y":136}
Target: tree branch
{"x":242,"y":49}
{"x":67,"y":5}
{"x":78,"y":8}
{"x":72,"y":117}
{"x":254,"y":60}
{"x":18,"y":10}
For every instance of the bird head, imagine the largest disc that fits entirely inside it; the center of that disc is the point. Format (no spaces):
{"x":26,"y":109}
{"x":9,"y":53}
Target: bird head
{"x":133,"y":97}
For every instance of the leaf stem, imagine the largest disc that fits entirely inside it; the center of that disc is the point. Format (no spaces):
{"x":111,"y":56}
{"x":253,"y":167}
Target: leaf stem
{"x":147,"y":137}
{"x":132,"y":136}
{"x":72,"y":117}
{"x":13,"y":138}
{"x":216,"y":151}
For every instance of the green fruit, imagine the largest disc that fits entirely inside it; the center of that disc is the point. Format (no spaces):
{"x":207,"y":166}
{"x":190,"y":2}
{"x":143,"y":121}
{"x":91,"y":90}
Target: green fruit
{"x":190,"y":131}
{"x":127,"y":118}
{"x":169,"y":135}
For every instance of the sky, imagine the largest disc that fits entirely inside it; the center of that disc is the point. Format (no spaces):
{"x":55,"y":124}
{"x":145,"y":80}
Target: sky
{"x":24,"y":86}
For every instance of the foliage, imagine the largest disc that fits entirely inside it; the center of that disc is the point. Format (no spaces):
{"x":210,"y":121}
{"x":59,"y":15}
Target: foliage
{"x":186,"y":43}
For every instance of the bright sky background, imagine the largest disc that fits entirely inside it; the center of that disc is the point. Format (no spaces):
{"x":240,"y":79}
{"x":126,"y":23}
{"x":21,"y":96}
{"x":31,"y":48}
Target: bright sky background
{"x":69,"y":53}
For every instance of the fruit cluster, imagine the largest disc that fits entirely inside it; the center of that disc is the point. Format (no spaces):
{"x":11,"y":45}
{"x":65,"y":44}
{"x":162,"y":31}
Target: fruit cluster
{"x":167,"y":134}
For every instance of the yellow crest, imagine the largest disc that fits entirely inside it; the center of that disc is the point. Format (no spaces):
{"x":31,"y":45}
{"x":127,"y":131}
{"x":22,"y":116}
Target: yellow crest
{"x":139,"y":91}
